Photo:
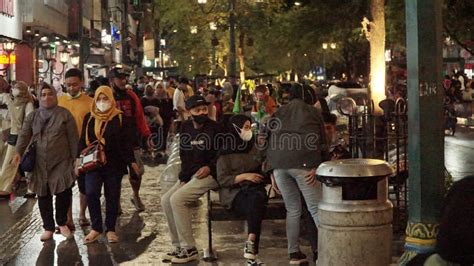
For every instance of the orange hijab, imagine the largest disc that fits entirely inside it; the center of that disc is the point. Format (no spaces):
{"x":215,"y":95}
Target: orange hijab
{"x":100,"y":117}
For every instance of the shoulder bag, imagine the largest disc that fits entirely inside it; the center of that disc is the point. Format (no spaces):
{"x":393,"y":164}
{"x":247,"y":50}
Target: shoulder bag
{"x":93,"y":156}
{"x":28,"y":161}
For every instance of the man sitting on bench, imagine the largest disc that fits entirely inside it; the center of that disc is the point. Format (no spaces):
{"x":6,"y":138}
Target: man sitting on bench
{"x":242,"y":186}
{"x":198,"y":155}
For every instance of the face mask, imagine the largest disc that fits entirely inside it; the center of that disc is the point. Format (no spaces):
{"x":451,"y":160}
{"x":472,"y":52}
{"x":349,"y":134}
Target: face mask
{"x":103,"y":106}
{"x":75,"y":96}
{"x":245,"y":134}
{"x":200,"y":119}
{"x":15,"y":92}
{"x":117,"y":88}
{"x":141,"y":86}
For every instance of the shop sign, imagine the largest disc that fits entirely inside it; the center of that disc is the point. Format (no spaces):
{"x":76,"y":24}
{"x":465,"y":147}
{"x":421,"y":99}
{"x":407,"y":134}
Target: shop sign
{"x":4,"y":59}
{"x":7,"y":8}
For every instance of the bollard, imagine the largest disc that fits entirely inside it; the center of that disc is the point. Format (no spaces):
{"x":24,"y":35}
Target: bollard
{"x":355,"y":214}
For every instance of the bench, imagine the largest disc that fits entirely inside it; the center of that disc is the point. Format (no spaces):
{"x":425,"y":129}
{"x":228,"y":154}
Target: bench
{"x":215,"y":212}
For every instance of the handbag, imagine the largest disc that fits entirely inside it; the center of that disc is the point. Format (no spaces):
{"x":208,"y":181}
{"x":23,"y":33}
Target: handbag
{"x":28,"y":161}
{"x":93,"y":156}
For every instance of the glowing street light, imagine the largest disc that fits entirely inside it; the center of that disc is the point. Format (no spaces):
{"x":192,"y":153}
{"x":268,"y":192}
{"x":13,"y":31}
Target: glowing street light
{"x":213,"y":26}
{"x":202,"y":2}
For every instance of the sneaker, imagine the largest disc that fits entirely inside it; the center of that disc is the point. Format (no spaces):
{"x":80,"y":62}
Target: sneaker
{"x":297,"y":258}
{"x":186,"y":255}
{"x":249,"y":250}
{"x":170,"y":255}
{"x":137,"y":202}
{"x":254,"y":263}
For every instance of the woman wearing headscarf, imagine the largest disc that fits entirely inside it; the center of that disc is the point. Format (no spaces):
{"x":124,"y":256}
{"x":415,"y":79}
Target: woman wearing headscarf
{"x":18,"y":109}
{"x":54,"y":130}
{"x":105,"y":123}
{"x":242,"y":185}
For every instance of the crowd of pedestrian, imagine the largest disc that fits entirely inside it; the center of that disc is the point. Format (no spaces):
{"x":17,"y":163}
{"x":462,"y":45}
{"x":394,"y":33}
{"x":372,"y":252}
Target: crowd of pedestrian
{"x":234,"y":139}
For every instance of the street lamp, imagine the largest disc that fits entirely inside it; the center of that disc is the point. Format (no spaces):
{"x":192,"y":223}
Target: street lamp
{"x":213,"y":26}
{"x":63,"y":59}
{"x":75,"y":60}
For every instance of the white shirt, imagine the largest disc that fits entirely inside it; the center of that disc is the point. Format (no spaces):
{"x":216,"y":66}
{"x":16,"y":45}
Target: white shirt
{"x":178,"y":101}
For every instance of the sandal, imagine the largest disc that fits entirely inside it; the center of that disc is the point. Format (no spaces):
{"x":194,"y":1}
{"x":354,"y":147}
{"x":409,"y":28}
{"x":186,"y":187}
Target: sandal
{"x":47,"y":235}
{"x":84,"y":222}
{"x":92,"y":237}
{"x":112,"y":237}
{"x":66,"y":232}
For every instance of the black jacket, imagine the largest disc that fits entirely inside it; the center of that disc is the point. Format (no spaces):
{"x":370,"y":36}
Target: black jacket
{"x":118,"y":147}
{"x":198,"y":148}
{"x":297,"y":137}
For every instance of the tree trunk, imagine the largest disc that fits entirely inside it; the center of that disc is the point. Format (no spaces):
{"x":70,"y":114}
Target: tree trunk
{"x":241,"y":56}
{"x":377,"y":53}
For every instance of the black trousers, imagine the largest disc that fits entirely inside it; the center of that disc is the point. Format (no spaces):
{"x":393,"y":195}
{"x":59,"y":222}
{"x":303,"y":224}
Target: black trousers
{"x":252,"y":204}
{"x":63,"y":201}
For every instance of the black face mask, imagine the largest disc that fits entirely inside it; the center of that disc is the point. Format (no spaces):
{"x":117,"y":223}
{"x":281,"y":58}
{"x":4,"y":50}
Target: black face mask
{"x":200,"y":119}
{"x":117,"y":88}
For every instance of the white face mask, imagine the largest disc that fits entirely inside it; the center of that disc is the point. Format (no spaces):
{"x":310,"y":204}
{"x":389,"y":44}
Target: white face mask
{"x":245,"y":134}
{"x":103,"y":106}
{"x":15,"y":92}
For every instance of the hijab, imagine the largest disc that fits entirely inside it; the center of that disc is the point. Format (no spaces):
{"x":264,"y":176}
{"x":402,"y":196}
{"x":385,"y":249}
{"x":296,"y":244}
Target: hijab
{"x":160,"y":91}
{"x":235,"y":144}
{"x":44,"y":112}
{"x":24,"y":97}
{"x":101,"y":118}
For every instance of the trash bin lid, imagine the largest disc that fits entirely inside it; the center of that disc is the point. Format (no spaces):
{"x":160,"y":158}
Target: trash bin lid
{"x":354,"y":168}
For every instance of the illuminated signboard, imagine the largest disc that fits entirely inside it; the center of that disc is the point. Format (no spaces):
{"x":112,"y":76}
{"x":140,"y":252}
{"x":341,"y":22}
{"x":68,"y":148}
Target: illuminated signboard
{"x":4,"y":59}
{"x":7,"y":8}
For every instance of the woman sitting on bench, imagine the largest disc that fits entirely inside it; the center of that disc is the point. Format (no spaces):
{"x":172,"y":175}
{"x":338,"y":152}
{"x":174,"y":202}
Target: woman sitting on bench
{"x":242,"y":186}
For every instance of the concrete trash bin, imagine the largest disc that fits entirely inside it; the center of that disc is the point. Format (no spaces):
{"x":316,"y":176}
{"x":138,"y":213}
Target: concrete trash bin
{"x":355,"y":214}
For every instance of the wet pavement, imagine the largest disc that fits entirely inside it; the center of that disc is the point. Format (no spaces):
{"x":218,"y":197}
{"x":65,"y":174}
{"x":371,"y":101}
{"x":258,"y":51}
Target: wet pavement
{"x":144,"y":237}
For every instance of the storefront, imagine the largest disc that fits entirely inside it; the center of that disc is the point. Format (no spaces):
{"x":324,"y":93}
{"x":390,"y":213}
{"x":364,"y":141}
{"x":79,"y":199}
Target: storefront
{"x":10,"y":20}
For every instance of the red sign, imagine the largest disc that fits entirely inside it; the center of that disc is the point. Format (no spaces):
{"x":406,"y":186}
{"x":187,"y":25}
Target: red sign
{"x":4,"y":59}
{"x":7,"y":7}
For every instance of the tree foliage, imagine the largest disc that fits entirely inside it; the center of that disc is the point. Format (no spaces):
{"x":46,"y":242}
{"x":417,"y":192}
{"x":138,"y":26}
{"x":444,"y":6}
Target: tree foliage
{"x":278,"y":36}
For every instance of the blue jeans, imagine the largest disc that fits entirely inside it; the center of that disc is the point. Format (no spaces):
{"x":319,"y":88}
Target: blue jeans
{"x":111,"y":181}
{"x":291,"y":182}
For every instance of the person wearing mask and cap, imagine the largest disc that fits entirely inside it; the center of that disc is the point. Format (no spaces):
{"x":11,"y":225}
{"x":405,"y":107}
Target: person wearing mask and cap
{"x":18,"y":109}
{"x":79,"y":104}
{"x":54,"y":130}
{"x":106,"y":124}
{"x":198,"y":154}
{"x":242,"y":183}
{"x":128,"y":102}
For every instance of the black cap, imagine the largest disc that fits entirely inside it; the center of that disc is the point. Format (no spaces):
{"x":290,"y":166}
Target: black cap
{"x":117,"y":73}
{"x":195,"y":101}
